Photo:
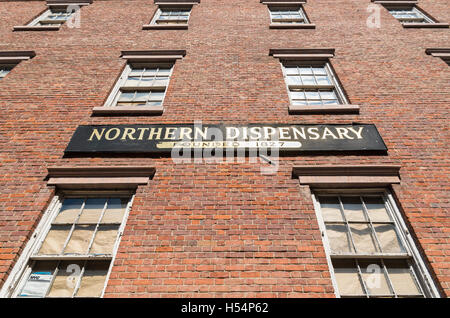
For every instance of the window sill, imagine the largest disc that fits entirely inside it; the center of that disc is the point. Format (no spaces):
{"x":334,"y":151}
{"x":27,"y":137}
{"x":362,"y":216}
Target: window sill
{"x":320,"y":109}
{"x":165,"y":27}
{"x":292,"y":26}
{"x":36,"y":28}
{"x":128,"y":110}
{"x":425,"y":25}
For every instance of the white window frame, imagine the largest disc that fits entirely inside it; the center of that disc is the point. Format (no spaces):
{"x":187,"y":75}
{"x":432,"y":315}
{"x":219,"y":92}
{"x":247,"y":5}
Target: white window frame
{"x":113,"y":97}
{"x":342,"y":98}
{"x":421,"y":273}
{"x":22,"y":269}
{"x":45,"y":14}
{"x":159,"y":12}
{"x":301,"y":11}
{"x":412,"y":8}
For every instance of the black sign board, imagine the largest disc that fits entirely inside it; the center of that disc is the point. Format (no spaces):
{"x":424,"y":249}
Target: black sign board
{"x":284,"y":137}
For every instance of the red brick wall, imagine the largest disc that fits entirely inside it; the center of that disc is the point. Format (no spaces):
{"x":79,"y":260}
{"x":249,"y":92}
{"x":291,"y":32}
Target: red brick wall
{"x":224,"y":229}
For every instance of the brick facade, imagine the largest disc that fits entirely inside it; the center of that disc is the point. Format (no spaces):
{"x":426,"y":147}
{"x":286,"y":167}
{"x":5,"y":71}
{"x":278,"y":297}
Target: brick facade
{"x":224,"y":229}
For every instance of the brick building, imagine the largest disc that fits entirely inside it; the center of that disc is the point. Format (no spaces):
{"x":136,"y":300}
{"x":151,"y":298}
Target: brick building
{"x":342,"y":218}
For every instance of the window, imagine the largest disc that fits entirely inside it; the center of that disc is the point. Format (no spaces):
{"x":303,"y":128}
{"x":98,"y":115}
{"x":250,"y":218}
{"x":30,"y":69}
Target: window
{"x":288,"y":15}
{"x":58,"y":13}
{"x":171,"y":15}
{"x":370,"y":251}
{"x":312,"y":83}
{"x":5,"y":69}
{"x":10,"y":59}
{"x":409,"y":14}
{"x":74,"y":251}
{"x":143,"y":85}
{"x":53,"y":16}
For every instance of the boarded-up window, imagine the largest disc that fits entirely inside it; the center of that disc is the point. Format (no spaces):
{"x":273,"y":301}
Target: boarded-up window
{"x":77,"y":249}
{"x":364,"y":244}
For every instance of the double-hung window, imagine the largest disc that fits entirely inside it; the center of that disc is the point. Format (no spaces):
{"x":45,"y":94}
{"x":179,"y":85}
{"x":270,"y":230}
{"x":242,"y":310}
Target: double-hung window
{"x":312,"y":84}
{"x":171,"y":15}
{"x":368,"y":245}
{"x":53,"y":16}
{"x":143,"y":85}
{"x":75,"y":247}
{"x":409,"y":14}
{"x":288,"y":15}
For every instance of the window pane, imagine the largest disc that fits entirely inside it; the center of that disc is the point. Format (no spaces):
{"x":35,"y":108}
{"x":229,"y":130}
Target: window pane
{"x":349,"y":283}
{"x":92,"y":211}
{"x":374,"y":278}
{"x":306,"y":71}
{"x":338,"y":237}
{"x":323,"y":80}
{"x":327,"y":95}
{"x":156,"y":96}
{"x":308,"y":80}
{"x":39,"y":280}
{"x":363,"y":239}
{"x":93,"y":280}
{"x":115,"y":211}
{"x":294,"y":80}
{"x":319,"y":71}
{"x":126,"y":96}
{"x":79,"y":241}
{"x":312,"y":95}
{"x":104,"y":239}
{"x":353,"y":209}
{"x":402,"y":278}
{"x":291,"y":70}
{"x":330,"y":209}
{"x":388,"y":238}
{"x":66,"y":279}
{"x":376,"y":209}
{"x":69,"y":211}
{"x":54,"y":242}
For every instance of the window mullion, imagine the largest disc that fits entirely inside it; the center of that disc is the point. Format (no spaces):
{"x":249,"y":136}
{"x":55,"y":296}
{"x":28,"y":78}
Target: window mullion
{"x":362,"y":279}
{"x":73,"y":228}
{"x":366,"y":213}
{"x":55,"y":272}
{"x":78,"y":284}
{"x":388,"y":279}
{"x":96,"y":227}
{"x":341,"y":205}
{"x":416,"y":280}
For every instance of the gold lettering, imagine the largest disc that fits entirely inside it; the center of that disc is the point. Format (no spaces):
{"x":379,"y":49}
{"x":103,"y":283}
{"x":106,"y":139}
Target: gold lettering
{"x":142,"y":131}
{"x":97,"y":134}
{"x":229,"y":131}
{"x":343,"y":133}
{"x":128,"y":132}
{"x":170,"y":133}
{"x":203,"y":134}
{"x":152,"y":133}
{"x":255,"y":133}
{"x":327,"y":132}
{"x":108,"y":133}
{"x":186,"y":131}
{"x":299,"y":133}
{"x":314,"y":132}
{"x":357,"y":133}
{"x":268,"y":132}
